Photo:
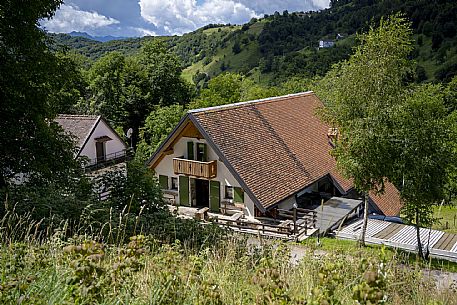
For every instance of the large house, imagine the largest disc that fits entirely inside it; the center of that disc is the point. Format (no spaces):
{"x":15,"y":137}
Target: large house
{"x":258,"y":157}
{"x":95,"y":139}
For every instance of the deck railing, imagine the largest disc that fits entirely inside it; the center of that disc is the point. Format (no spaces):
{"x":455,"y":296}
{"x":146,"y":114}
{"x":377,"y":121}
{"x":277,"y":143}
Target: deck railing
{"x":298,"y":214}
{"x":284,"y":230}
{"x":198,"y":169}
{"x":109,"y":159}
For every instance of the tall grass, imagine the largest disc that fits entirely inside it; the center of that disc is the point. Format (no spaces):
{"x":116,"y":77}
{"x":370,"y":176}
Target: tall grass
{"x":45,"y":266}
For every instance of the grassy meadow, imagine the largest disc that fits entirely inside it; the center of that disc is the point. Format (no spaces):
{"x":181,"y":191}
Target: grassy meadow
{"x":446,"y":216}
{"x":48,"y":267}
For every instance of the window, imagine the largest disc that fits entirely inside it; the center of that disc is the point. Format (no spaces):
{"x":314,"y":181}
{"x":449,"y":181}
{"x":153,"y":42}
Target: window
{"x":190,"y":150}
{"x":100,"y":151}
{"x":201,"y":152}
{"x":174,"y":183}
{"x":228,"y":192}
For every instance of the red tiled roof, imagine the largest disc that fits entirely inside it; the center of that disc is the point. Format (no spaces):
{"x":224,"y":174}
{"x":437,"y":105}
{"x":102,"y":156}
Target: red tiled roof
{"x":277,"y":146}
{"x":389,"y":202}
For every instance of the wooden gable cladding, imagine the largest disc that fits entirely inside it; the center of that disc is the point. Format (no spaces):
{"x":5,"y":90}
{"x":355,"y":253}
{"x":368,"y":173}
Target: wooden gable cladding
{"x":187,"y":130}
{"x":190,"y":131}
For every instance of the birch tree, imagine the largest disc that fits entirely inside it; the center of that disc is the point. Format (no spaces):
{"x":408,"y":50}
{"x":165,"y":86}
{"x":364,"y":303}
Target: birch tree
{"x":359,"y":95}
{"x":423,"y":136}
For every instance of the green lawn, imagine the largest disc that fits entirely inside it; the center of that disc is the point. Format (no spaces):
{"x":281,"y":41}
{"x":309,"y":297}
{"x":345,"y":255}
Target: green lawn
{"x":447,"y":218}
{"x":353,"y":249}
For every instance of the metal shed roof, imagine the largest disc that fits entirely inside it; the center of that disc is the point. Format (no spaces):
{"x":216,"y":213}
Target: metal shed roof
{"x":440,"y":244}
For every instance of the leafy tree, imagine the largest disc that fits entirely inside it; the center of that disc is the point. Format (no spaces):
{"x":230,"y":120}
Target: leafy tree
{"x":106,"y":82}
{"x":236,"y":47}
{"x":422,"y":136}
{"x":163,"y":73}
{"x":450,"y":95}
{"x":126,"y":89}
{"x":159,"y":124}
{"x":297,"y":84}
{"x":359,"y":94}
{"x":252,"y":91}
{"x":70,"y":84}
{"x":31,"y":89}
{"x":223,"y":89}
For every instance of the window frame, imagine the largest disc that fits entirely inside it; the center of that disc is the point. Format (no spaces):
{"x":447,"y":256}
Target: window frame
{"x":201,"y":155}
{"x":174,"y":186}
{"x":227,"y":190}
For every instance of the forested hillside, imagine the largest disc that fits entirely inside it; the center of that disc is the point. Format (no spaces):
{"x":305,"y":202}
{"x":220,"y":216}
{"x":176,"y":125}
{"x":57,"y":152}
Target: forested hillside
{"x":285,"y":44}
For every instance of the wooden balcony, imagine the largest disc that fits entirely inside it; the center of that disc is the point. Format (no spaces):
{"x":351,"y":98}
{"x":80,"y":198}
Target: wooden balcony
{"x":198,"y":169}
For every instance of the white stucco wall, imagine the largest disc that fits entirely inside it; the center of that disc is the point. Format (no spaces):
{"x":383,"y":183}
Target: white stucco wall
{"x":287,"y":203}
{"x":312,"y":188}
{"x":165,"y":167}
{"x":111,"y":146}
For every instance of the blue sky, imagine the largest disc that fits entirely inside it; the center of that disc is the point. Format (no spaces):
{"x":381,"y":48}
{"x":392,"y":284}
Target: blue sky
{"x":128,"y":18}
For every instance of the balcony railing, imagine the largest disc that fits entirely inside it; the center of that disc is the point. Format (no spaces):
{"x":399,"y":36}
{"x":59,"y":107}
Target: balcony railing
{"x":198,"y":169}
{"x":109,"y":159}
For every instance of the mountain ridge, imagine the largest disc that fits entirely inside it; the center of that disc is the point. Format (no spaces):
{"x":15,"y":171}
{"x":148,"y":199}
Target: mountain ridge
{"x":96,"y":38}
{"x":280,"y":46}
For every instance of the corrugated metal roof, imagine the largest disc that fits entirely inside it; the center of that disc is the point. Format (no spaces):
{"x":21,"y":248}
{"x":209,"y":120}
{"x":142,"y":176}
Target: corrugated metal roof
{"x":440,"y":244}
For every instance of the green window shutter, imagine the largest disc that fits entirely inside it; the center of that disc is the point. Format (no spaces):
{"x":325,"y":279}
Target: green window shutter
{"x":214,"y":196}
{"x":190,"y":151}
{"x":184,"y":190}
{"x":205,"y":153}
{"x":238,"y":194}
{"x":163,"y":181}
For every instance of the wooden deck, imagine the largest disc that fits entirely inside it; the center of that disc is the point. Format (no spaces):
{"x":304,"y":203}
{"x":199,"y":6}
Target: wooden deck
{"x":285,"y":229}
{"x":440,"y":244}
{"x":334,"y":211}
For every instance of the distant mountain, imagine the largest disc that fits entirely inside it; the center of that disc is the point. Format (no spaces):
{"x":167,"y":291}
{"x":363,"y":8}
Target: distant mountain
{"x":96,"y":38}
{"x":280,"y":46}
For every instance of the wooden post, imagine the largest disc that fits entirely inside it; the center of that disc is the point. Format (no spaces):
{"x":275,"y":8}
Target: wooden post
{"x":295,"y":219}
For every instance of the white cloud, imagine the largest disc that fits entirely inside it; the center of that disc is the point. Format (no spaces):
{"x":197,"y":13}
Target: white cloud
{"x":143,"y":32}
{"x":269,"y":6}
{"x":70,"y":18}
{"x":163,"y":17}
{"x":180,"y":16}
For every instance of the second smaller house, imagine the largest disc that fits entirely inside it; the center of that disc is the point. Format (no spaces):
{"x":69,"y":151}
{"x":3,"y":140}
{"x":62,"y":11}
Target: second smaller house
{"x":95,"y":139}
{"x":326,"y":44}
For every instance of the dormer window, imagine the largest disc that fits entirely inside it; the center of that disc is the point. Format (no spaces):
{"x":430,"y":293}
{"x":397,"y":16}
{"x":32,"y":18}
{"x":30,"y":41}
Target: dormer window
{"x":100,"y":148}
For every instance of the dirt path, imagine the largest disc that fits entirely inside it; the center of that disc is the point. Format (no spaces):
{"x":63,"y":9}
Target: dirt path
{"x":443,"y":279}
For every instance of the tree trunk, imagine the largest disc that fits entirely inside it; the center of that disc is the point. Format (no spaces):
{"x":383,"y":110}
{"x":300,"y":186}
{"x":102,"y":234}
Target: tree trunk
{"x":419,"y":244}
{"x":2,"y":182}
{"x":365,"y":219}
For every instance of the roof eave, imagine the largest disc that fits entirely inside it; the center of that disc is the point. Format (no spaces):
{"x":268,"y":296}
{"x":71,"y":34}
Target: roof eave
{"x":159,"y":150}
{"x":89,"y":135}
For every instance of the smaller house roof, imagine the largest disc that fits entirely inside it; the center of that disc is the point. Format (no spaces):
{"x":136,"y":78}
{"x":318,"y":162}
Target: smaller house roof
{"x":78,"y":126}
{"x":440,"y":244}
{"x":82,"y":126}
